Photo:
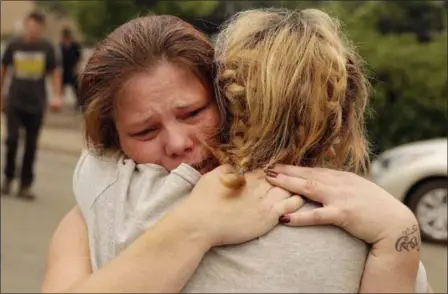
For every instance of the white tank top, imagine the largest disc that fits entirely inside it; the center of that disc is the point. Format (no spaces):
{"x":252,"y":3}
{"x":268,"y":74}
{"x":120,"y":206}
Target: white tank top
{"x":120,"y":200}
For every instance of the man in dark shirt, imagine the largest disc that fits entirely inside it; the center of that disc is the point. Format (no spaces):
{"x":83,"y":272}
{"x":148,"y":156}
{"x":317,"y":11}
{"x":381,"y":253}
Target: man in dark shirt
{"x":71,"y":56}
{"x":31,"y":59}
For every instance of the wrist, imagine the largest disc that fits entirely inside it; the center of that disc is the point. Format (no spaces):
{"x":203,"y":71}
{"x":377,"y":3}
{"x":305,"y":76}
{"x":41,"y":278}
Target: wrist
{"x":401,"y":241}
{"x":187,"y":229}
{"x":404,"y":223}
{"x":394,"y":260}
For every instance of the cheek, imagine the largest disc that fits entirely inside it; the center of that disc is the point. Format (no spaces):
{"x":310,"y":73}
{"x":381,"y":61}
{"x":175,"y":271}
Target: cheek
{"x":141,"y":151}
{"x":208,"y":126}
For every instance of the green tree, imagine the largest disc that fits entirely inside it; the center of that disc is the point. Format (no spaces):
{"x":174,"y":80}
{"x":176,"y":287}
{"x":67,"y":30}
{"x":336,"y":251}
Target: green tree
{"x":407,"y":60}
{"x":98,"y":18}
{"x":56,"y":7}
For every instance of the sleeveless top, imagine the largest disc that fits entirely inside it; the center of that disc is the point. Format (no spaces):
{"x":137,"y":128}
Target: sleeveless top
{"x":120,"y":200}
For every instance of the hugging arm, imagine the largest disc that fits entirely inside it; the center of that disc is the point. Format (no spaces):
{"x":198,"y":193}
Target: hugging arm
{"x":68,"y":261}
{"x":367,"y":212}
{"x":390,"y":268}
{"x":161,"y":260}
{"x":165,"y":256}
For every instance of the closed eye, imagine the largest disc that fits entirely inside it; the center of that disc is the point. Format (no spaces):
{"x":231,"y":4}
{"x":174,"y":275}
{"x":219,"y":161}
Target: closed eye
{"x":196,"y":112}
{"x":144,"y":132}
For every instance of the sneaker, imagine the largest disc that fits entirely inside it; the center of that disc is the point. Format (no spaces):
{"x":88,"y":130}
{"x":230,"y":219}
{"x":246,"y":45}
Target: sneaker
{"x":6,"y":187}
{"x":26,"y":193}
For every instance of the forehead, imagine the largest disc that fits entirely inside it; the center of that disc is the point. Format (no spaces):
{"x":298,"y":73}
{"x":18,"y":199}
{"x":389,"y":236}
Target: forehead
{"x":160,"y":91}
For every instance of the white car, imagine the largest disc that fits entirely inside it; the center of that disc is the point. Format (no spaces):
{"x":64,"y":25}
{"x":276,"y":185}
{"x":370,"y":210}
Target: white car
{"x":416,"y":174}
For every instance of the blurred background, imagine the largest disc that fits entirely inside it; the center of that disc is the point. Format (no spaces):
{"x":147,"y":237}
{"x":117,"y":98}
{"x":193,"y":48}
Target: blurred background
{"x":404,"y":44}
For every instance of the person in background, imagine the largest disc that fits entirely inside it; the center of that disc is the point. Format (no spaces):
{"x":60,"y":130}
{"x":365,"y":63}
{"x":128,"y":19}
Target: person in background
{"x":31,"y":58}
{"x":71,"y":57}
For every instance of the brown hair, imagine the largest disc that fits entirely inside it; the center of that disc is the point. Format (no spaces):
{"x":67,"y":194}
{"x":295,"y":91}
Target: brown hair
{"x":37,"y":17}
{"x":291,"y":87}
{"x":136,"y":46}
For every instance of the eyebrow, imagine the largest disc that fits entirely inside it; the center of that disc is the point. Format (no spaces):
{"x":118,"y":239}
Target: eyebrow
{"x":141,"y":123}
{"x":190,"y":105}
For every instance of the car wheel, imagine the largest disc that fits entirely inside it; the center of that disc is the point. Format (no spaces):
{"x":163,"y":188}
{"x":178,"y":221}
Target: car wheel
{"x":429,"y":204}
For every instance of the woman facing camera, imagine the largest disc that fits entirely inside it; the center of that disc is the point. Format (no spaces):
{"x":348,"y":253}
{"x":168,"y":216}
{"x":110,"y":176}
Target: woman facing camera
{"x":155,"y":209}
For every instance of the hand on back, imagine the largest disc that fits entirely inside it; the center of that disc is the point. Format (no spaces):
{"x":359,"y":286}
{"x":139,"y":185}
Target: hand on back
{"x":349,"y":201}
{"x":232,"y":216}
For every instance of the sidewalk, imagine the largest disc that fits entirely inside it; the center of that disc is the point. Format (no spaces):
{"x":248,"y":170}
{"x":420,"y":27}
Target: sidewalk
{"x":62,"y":132}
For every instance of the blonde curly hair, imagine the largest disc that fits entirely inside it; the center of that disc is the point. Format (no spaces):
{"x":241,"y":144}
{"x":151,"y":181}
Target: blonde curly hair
{"x":290,"y":87}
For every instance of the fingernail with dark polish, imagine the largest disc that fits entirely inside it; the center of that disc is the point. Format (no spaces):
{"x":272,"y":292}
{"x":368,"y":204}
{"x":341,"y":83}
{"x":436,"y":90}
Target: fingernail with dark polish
{"x":284,"y":219}
{"x":271,"y":174}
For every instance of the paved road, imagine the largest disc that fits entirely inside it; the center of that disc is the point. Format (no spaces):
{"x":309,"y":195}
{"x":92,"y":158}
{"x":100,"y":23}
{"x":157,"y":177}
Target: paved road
{"x":26,"y":229}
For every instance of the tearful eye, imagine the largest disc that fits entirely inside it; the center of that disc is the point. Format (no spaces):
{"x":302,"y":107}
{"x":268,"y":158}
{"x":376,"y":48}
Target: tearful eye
{"x":195,"y":113}
{"x":145,"y":132}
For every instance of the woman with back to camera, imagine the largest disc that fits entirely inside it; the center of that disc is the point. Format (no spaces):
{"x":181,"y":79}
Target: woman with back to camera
{"x":143,"y":84}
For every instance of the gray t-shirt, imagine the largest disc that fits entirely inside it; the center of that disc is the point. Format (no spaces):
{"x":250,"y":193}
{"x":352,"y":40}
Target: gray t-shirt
{"x":30,"y":62}
{"x":120,"y":200}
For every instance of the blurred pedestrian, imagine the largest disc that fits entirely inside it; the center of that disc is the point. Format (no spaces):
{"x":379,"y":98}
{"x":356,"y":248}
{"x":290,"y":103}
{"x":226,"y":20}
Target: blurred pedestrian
{"x":31,"y":58}
{"x":71,"y":57}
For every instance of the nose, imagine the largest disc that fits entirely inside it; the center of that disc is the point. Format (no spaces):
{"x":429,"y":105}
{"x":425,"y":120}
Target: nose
{"x":179,"y":142}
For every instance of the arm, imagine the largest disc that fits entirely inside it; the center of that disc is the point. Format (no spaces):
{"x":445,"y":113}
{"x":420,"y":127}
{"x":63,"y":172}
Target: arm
{"x":68,"y":260}
{"x":55,"y":74}
{"x":165,"y":256}
{"x":6,"y":62}
{"x":56,"y":81}
{"x":366,"y":211}
{"x":392,"y":264}
{"x":162,"y":259}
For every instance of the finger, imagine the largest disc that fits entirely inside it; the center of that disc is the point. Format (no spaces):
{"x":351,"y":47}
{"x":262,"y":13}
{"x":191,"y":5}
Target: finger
{"x":289,"y":205}
{"x":275,"y":195}
{"x":311,"y":189}
{"x":314,"y":217}
{"x":312,"y":173}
